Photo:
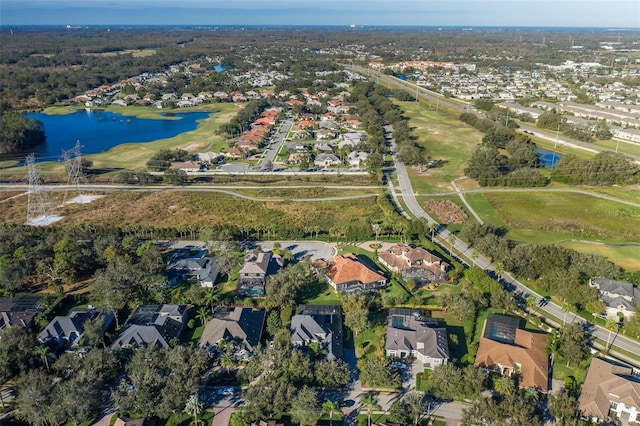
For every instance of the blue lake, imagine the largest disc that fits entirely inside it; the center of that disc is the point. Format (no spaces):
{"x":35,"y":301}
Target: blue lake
{"x":99,"y":131}
{"x":547,"y":158}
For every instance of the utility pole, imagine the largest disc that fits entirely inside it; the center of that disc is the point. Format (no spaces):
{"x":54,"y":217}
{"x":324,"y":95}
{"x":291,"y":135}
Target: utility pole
{"x":38,"y":201}
{"x":557,"y":133}
{"x":73,"y":165}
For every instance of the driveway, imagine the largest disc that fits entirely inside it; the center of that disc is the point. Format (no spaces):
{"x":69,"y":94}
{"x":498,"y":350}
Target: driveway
{"x":316,"y":250}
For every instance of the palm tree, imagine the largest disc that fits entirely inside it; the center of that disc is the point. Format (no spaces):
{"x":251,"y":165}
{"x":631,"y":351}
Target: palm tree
{"x":194,"y":407}
{"x":451,"y":239}
{"x":202,"y":315}
{"x":611,"y":325}
{"x":432,"y":229}
{"x":498,"y":267}
{"x":504,"y":385}
{"x":330,"y":407}
{"x":226,"y":359}
{"x":370,"y":403}
{"x":43,"y":352}
{"x":531,"y":395}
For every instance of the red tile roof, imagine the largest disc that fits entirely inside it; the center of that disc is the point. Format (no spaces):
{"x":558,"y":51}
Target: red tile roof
{"x":348,"y":268}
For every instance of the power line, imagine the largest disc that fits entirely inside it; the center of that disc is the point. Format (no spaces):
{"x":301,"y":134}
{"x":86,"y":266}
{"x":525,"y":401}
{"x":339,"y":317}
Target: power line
{"x":38,"y":203}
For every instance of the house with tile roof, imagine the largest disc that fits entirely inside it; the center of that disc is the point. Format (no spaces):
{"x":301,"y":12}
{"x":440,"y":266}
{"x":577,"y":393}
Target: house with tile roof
{"x":327,"y":160}
{"x":239,"y":325}
{"x":411,"y":334}
{"x":255,"y":270}
{"x":619,"y":296}
{"x":415,"y":263}
{"x":66,"y":331}
{"x":347,"y":274}
{"x":610,"y":391}
{"x":507,"y":349}
{"x":152,"y":325}
{"x":321,"y":325}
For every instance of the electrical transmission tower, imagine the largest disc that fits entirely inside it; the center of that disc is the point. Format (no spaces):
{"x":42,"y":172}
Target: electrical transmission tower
{"x":73,"y":165}
{"x":38,"y":200}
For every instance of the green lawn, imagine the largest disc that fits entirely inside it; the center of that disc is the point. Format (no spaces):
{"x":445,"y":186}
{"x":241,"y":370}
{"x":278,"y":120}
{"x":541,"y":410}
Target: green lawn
{"x":627,"y":257}
{"x":563,"y":215}
{"x":446,"y":138}
{"x":625,"y":147}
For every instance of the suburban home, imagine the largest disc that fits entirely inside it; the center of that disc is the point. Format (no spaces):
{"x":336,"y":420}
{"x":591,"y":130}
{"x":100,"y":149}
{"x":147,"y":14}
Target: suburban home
{"x":153,"y":325}
{"x":356,"y":159}
{"x":411,"y":334}
{"x":66,"y":331}
{"x":610,"y":391}
{"x":124,"y":421}
{"x":210,"y":157}
{"x":619,"y":296}
{"x":319,"y":325}
{"x":239,"y":325}
{"x":327,"y":160}
{"x":255,"y":270}
{"x":347,"y":274}
{"x":201,"y":269}
{"x":507,"y":349}
{"x":19,"y":311}
{"x":187,"y":166}
{"x":267,"y":423}
{"x":415,"y":263}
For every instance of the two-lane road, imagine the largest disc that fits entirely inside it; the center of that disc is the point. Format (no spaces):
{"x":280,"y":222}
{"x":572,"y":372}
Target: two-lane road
{"x":554,"y":314}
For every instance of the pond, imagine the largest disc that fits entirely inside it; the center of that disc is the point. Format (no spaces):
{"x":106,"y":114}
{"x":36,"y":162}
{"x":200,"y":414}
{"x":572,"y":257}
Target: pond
{"x":99,"y":131}
{"x":547,"y":158}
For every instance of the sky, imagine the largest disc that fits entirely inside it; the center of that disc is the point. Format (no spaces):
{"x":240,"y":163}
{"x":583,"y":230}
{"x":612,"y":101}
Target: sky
{"x":511,"y":13}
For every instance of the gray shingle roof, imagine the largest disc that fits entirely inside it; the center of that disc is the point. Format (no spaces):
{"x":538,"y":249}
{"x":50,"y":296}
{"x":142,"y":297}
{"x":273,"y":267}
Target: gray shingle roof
{"x":152,"y":325}
{"x":243,"y":325}
{"x":320,"y":324}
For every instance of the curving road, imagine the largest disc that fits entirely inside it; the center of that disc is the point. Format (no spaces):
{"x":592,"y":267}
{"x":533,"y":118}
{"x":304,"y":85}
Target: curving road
{"x":551,"y":312}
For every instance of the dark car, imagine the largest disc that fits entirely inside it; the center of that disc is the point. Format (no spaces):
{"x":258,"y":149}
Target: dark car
{"x":348,"y":403}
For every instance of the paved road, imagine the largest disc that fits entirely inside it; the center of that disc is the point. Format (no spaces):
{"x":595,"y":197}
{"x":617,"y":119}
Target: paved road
{"x":423,"y":93}
{"x":472,"y":257}
{"x":316,"y":250}
{"x":276,"y":143}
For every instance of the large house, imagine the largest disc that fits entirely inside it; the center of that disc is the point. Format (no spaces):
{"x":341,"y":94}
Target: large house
{"x":321,"y":325}
{"x":255,"y":270}
{"x":67,"y":331}
{"x":609,"y":391}
{"x":18,"y":311}
{"x":507,"y":349}
{"x":347,"y":274}
{"x":195,"y":268}
{"x":154,"y":325}
{"x":241,"y":326}
{"x":619,"y":296}
{"x":414,"y":263}
{"x":410,"y":334}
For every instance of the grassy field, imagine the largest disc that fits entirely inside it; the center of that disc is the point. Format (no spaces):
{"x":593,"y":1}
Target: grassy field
{"x":625,"y":147}
{"x":445,"y":138}
{"x":171,"y":209}
{"x":628,"y":257}
{"x":547,"y":217}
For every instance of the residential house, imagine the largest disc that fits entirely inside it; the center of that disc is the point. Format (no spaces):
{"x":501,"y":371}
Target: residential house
{"x":415,"y":263}
{"x":351,"y":140}
{"x":210,"y":157}
{"x":619,"y":296}
{"x":356,"y":159}
{"x":327,"y":160}
{"x":319,"y":325}
{"x":507,"y":349}
{"x":123,"y":421}
{"x":323,"y":134}
{"x":411,"y":334}
{"x":239,"y":325}
{"x":154,"y":325}
{"x":66,"y":331}
{"x":347,"y":274}
{"x":190,"y":166}
{"x":255,"y":270}
{"x":18,"y":311}
{"x":267,"y":423}
{"x":192,"y":268}
{"x":610,"y":391}
{"x":185,"y":104}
